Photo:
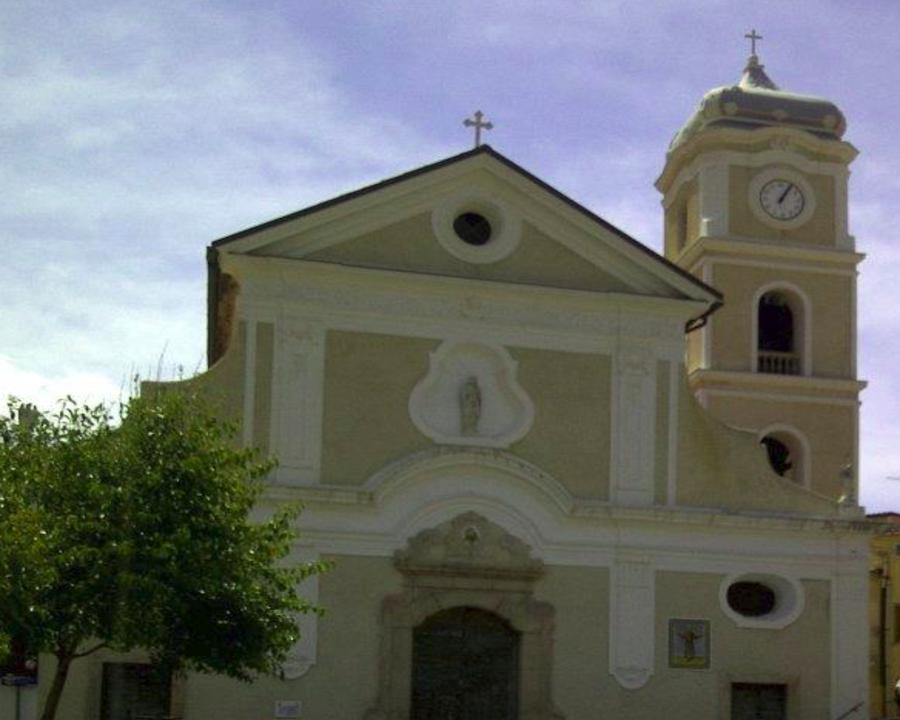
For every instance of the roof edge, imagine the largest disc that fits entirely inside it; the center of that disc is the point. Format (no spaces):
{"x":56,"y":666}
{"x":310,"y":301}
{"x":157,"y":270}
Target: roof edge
{"x":481,"y":150}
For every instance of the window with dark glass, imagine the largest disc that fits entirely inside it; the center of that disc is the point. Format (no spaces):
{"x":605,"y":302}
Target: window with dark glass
{"x":472,"y":228}
{"x":750,"y":598}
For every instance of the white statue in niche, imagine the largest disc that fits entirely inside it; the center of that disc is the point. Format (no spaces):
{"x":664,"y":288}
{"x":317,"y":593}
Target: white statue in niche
{"x":470,"y":407}
{"x":470,"y":396}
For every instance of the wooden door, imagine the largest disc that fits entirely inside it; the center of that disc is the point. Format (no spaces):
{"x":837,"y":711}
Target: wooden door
{"x":465,"y":667}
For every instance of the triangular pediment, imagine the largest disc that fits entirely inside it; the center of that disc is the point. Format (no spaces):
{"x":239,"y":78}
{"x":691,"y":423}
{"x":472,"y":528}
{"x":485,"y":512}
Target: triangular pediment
{"x":536,"y":235}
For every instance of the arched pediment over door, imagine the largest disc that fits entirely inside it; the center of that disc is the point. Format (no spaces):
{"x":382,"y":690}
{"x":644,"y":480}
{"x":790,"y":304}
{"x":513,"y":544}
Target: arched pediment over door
{"x":469,"y":563}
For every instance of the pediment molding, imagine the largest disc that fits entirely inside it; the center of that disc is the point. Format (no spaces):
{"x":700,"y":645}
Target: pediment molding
{"x":469,"y":545}
{"x":497,"y":179}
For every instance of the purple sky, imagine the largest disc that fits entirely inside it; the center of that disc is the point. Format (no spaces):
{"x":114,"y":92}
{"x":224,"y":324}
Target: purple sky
{"x":135,"y":133}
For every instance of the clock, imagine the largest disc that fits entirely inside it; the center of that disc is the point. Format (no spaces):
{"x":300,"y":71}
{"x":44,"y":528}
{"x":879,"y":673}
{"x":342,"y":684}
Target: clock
{"x":782,"y":199}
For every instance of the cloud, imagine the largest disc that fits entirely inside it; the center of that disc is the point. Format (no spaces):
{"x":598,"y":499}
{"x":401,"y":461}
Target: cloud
{"x":45,"y":391}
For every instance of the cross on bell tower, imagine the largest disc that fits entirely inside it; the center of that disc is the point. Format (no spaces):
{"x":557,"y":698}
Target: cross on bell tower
{"x":753,"y":37}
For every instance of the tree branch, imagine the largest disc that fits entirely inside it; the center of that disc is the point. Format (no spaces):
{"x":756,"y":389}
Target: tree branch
{"x":88,"y":652}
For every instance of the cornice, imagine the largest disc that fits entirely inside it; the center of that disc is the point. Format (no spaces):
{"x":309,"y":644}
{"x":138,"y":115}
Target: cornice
{"x":271,"y":286}
{"x":723,"y":139}
{"x":745,"y":247}
{"x":766,"y":382}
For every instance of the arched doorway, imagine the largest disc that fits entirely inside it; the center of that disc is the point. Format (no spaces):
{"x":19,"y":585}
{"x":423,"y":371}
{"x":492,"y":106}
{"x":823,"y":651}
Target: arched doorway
{"x":465,"y":667}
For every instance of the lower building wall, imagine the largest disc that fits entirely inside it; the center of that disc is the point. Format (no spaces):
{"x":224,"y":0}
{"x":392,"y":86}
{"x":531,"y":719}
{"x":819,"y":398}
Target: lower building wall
{"x":344,"y":682}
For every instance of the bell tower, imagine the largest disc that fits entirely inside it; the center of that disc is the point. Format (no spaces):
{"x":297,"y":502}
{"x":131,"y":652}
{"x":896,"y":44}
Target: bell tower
{"x":755,"y":196}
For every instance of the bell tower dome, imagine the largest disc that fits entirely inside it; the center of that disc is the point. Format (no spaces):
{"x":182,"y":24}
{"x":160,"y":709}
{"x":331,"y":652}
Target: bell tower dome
{"x":755,"y":195}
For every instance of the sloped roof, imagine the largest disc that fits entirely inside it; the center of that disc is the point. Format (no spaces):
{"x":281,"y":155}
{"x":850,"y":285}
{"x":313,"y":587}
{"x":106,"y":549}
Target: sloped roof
{"x":488,"y":151}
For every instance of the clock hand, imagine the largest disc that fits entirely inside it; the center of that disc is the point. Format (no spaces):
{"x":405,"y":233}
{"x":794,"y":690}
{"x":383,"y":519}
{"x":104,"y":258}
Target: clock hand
{"x":784,"y":194}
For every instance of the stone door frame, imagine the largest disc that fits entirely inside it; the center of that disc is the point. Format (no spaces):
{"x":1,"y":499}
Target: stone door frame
{"x":492,"y":571}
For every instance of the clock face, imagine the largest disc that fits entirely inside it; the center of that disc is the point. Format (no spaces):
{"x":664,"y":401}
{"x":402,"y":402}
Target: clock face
{"x":782,"y":199}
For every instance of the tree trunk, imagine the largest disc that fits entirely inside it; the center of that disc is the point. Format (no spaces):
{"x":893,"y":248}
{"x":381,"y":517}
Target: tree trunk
{"x":59,"y":682}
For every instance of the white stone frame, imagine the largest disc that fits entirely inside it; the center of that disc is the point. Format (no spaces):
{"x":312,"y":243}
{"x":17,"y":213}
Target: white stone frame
{"x":506,"y":227}
{"x":804,"y":450}
{"x":790,"y":600}
{"x":781,"y":172}
{"x":298,"y":369}
{"x":632,"y":616}
{"x":498,"y":579}
{"x":433,"y":404}
{"x":804,"y":325}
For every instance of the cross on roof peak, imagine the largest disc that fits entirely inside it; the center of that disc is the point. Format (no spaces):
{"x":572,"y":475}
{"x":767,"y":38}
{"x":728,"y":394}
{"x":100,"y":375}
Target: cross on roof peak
{"x":478,"y":125}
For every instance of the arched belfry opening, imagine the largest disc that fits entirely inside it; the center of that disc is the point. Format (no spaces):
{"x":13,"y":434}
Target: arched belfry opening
{"x":787,"y":453}
{"x":465,"y":666}
{"x":779,"y":325}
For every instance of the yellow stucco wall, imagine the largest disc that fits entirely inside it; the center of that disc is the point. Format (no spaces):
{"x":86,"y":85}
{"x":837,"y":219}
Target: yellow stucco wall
{"x":222,"y":385}
{"x":349,"y":637}
{"x":819,"y":230}
{"x":739,"y":654}
{"x":411,"y":246}
{"x":828,"y":428}
{"x":570,"y":437}
{"x":721,"y":467}
{"x":369,"y":379}
{"x":831,"y":323}
{"x":366,"y":423}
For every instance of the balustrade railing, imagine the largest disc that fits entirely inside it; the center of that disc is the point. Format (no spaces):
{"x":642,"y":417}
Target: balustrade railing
{"x":778,"y":363}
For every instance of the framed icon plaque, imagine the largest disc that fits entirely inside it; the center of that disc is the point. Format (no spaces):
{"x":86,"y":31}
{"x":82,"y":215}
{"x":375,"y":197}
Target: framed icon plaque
{"x":689,"y":644}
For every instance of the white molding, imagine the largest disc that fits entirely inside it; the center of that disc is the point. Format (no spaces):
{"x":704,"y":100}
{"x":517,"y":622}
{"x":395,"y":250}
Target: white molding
{"x":707,"y":329}
{"x":632,"y":615}
{"x":249,"y":410}
{"x":506,"y":413}
{"x":675,"y":371}
{"x":843,"y":239}
{"x":803,"y":257}
{"x":304,"y":654}
{"x":807,"y":458}
{"x":850,"y":633}
{"x":805,"y":324}
{"x":432,"y":486}
{"x":633,"y":432}
{"x":394,"y":477}
{"x":787,"y":383}
{"x":789,"y":600}
{"x":770,"y":264}
{"x":298,"y":376}
{"x":429,"y":306}
{"x":780,"y":172}
{"x":506,"y":226}
{"x":773,"y":156}
{"x":779,"y":397}
{"x":713,"y":199}
{"x":568,"y":226}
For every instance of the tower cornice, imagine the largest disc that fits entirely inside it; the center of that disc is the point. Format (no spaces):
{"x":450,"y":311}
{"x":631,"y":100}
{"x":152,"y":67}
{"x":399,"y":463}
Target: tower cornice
{"x":779,"y":139}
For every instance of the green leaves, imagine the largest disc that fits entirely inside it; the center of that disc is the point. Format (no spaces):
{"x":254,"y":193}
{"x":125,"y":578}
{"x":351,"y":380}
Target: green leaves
{"x":134,"y":531}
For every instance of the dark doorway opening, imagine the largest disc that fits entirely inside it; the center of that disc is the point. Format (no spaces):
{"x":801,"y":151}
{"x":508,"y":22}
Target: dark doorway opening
{"x":465,"y":667}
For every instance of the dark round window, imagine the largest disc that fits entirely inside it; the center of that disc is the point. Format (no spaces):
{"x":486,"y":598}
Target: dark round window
{"x":751,"y":599}
{"x":472,"y":228}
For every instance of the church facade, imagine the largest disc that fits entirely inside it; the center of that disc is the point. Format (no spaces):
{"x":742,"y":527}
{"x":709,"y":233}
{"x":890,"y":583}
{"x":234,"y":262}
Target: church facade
{"x":559,"y":475}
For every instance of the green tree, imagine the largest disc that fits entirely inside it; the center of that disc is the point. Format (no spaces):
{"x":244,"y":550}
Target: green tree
{"x":135,"y":532}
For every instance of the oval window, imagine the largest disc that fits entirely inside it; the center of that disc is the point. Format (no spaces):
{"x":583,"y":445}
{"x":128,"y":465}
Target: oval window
{"x":751,"y":599}
{"x":472,"y":228}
